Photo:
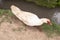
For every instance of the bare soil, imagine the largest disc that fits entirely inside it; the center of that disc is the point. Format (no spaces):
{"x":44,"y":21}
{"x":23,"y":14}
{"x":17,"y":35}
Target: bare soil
{"x":12,"y":28}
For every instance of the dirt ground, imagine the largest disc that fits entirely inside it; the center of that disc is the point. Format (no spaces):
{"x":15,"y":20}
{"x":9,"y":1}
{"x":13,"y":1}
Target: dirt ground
{"x":13,"y":29}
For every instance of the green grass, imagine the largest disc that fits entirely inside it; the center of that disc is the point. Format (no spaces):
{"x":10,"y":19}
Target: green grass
{"x":49,"y":29}
{"x":6,"y":12}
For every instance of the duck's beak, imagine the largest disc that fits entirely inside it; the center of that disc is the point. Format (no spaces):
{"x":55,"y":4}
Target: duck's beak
{"x":50,"y":23}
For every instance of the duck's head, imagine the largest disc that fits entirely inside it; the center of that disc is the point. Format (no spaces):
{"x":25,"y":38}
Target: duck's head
{"x":47,"y":21}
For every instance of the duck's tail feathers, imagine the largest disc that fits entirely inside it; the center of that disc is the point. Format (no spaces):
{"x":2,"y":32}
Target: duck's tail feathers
{"x":15,"y":9}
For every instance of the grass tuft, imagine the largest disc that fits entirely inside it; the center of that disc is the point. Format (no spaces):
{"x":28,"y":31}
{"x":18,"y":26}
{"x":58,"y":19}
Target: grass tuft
{"x":50,"y":29}
{"x":6,"y":12}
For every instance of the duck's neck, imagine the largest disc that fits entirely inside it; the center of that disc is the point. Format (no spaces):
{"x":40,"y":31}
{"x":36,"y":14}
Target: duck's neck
{"x":43,"y":20}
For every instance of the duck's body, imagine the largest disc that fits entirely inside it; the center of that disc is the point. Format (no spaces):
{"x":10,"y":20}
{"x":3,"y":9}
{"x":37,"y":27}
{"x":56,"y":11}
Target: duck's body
{"x":28,"y":18}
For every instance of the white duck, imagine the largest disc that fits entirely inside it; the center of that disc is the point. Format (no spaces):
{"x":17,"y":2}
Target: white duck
{"x":28,"y":18}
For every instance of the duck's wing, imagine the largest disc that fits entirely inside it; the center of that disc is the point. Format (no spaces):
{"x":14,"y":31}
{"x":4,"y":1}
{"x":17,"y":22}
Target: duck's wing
{"x":22,"y":14}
